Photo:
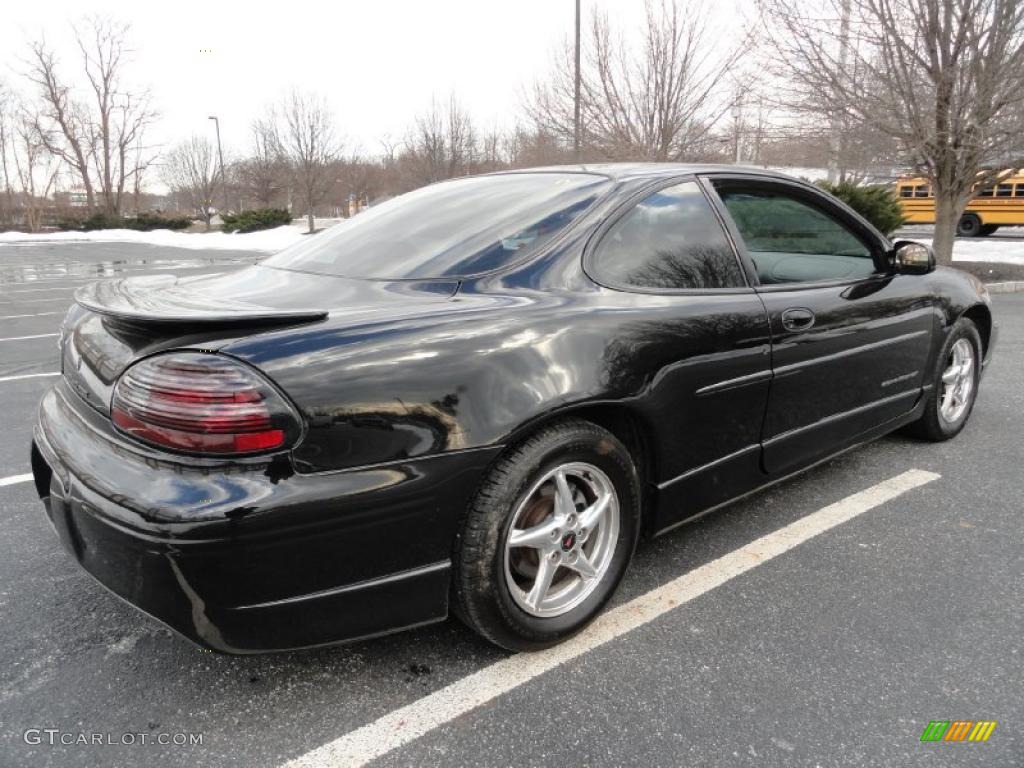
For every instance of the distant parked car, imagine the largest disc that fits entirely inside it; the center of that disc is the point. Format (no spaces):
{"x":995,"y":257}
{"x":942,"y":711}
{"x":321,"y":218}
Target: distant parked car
{"x":478,"y":396}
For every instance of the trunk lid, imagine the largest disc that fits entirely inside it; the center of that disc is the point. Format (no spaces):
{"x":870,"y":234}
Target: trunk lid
{"x":117,"y":322}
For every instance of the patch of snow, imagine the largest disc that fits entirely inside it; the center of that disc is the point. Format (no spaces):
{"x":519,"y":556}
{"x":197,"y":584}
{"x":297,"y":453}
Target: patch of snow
{"x":1005,"y":253}
{"x":812,"y":174}
{"x":265,"y":240}
{"x":1001,"y":251}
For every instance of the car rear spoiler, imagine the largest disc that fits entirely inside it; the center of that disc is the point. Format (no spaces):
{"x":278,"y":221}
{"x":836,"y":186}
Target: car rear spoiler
{"x":165,"y":299}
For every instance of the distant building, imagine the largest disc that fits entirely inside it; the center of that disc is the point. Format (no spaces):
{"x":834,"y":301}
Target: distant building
{"x":355,"y":204}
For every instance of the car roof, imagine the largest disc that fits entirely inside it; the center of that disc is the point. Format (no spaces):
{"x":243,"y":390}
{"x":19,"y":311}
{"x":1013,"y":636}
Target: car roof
{"x":623,"y":171}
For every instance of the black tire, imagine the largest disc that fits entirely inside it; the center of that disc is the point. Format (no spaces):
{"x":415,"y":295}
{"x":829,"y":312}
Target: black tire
{"x":989,"y":229}
{"x":932,"y":425}
{"x":968,"y":226}
{"x":481,"y":595}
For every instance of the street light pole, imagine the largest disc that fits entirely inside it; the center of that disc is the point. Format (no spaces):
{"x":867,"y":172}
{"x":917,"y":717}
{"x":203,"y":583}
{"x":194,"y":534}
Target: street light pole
{"x":835,"y":142}
{"x":737,"y":116}
{"x":576,"y":103}
{"x":220,"y":154}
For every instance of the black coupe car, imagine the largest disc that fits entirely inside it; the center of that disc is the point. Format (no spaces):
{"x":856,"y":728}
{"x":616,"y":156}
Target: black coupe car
{"x":478,"y":396}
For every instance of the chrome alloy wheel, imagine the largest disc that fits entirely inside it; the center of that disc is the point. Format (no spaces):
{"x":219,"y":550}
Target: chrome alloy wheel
{"x":957,"y":382}
{"x":562,"y":539}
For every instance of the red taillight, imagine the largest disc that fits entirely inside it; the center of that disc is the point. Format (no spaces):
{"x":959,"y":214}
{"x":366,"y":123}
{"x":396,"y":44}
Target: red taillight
{"x":201,"y":403}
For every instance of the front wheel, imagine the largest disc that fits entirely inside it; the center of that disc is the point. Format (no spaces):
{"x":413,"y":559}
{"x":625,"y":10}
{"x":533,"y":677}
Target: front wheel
{"x":548,"y":537}
{"x":954,"y":385}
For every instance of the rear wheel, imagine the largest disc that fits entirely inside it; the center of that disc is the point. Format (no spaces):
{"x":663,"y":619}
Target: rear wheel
{"x":548,"y":537}
{"x":954,"y":385}
{"x":968,"y":226}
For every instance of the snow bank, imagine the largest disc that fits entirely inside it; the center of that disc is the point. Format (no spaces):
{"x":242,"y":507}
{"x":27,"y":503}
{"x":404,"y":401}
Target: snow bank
{"x":266,"y":240}
{"x":813,"y":174}
{"x":1007,"y":252}
{"x":1002,"y":251}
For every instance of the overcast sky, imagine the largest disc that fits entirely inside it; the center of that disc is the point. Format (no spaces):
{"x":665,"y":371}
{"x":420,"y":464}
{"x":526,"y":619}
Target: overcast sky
{"x":379,"y":61}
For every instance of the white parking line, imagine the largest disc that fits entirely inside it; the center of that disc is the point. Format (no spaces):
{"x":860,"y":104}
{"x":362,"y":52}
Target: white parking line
{"x":35,"y":336}
{"x":28,"y":376}
{"x":25,"y":301}
{"x":59,"y":279}
{"x":13,"y":479}
{"x":424,"y":715}
{"x":38,"y":314}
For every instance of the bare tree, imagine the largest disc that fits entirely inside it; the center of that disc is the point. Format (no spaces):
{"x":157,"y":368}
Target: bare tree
{"x":307,"y":136}
{"x":63,"y":127}
{"x":100,"y":138}
{"x":442,"y":144}
{"x":121,"y":116}
{"x":657,"y":103}
{"x":35,"y":167}
{"x":943,"y":78}
{"x":358,"y":180}
{"x":143,"y":159}
{"x":6,"y":153}
{"x":190,"y":169}
{"x":492,"y":151}
{"x":526,"y":147}
{"x":263,"y":174}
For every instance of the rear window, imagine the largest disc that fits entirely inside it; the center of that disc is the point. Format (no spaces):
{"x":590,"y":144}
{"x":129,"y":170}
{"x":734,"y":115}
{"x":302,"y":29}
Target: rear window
{"x":452,"y":229}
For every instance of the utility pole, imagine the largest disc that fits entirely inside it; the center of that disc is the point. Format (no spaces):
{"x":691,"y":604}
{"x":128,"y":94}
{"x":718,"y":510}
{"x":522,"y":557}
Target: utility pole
{"x":220,"y":157}
{"x":576,"y":103}
{"x":836,"y":139}
{"x":737,"y":116}
{"x":137,"y":188}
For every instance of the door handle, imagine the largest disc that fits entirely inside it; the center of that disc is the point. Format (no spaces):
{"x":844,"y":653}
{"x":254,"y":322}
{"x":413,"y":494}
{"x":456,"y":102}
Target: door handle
{"x":797,"y":319}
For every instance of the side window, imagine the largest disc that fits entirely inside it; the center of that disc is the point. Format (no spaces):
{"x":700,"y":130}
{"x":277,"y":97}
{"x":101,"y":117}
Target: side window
{"x":791,"y":241}
{"x":906,"y":191}
{"x":922,"y":191}
{"x":671,"y":239}
{"x":1004,"y":190}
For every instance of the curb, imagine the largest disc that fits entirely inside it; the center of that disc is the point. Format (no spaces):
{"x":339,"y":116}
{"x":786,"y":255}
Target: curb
{"x":1010,"y":286}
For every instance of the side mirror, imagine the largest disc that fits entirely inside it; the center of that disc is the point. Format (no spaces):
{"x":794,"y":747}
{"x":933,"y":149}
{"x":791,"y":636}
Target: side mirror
{"x":910,"y":258}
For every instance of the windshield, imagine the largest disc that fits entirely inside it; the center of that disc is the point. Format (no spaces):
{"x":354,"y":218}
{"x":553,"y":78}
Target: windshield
{"x":452,"y":229}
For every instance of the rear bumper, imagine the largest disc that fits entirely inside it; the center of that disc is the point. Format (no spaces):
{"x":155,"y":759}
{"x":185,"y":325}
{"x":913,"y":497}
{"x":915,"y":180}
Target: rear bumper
{"x":251,"y":557}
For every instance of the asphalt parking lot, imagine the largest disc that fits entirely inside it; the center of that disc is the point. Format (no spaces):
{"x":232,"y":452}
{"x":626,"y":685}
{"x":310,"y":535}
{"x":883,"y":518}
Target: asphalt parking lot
{"x":836,"y":651}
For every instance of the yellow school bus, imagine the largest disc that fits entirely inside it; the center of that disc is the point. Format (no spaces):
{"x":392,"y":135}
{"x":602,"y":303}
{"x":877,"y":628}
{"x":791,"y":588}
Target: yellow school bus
{"x":997,"y":206}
